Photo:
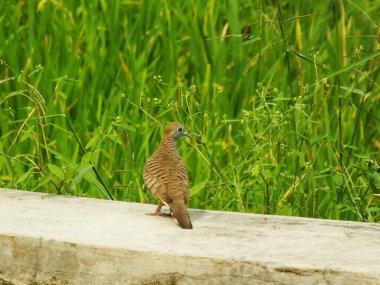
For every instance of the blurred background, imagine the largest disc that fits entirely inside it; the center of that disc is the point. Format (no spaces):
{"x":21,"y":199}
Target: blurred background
{"x":282,"y":98}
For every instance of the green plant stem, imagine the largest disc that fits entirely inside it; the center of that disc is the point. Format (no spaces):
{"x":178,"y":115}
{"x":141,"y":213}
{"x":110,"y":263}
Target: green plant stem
{"x":110,"y":196}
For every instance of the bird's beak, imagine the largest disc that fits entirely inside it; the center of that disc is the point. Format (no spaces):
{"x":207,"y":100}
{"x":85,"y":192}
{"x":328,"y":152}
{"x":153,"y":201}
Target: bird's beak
{"x":187,"y":135}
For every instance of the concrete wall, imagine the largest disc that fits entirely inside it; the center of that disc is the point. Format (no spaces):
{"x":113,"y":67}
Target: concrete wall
{"x":46,"y":239}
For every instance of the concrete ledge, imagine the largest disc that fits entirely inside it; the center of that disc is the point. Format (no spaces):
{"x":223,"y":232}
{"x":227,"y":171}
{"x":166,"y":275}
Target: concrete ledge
{"x":46,"y":239}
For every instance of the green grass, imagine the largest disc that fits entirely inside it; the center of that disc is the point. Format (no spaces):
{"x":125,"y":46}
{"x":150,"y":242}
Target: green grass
{"x":282,"y":98}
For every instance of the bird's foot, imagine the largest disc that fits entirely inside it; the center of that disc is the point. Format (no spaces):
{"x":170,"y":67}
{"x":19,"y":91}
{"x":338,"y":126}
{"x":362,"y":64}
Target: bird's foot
{"x":158,"y":214}
{"x":154,"y":214}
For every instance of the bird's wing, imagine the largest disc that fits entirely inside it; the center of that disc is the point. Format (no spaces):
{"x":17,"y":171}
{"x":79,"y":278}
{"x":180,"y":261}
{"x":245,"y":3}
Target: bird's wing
{"x":156,"y":179}
{"x":178,"y":187}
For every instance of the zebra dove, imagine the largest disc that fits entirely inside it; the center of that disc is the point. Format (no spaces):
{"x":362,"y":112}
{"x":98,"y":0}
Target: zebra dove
{"x":166,"y":177}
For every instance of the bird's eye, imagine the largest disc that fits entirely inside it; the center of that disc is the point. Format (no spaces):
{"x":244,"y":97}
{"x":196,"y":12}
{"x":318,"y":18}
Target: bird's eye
{"x":180,"y":129}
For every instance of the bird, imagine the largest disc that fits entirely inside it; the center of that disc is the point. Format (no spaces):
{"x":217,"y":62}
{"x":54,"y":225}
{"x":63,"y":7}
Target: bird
{"x":165,"y":175}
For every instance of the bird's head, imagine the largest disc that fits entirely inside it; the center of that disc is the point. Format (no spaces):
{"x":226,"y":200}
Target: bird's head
{"x":176,"y":131}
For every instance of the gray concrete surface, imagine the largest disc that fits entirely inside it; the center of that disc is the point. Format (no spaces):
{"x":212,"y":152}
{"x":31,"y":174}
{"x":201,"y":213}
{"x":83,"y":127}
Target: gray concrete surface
{"x":47,"y":239}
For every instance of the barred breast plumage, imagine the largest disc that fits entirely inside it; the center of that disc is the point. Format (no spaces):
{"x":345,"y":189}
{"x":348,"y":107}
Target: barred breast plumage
{"x":166,"y":177}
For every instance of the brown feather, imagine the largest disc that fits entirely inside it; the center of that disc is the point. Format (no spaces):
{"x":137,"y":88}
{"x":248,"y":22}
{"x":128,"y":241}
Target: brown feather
{"x":166,"y":177}
{"x":181,"y":215}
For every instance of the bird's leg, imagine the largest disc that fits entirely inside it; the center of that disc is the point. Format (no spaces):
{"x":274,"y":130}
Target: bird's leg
{"x":157,"y":212}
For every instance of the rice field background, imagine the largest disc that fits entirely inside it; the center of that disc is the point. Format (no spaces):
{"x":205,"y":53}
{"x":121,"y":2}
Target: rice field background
{"x":281,"y":97}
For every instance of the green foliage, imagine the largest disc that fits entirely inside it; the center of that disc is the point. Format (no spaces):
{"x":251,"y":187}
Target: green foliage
{"x":282,"y":98}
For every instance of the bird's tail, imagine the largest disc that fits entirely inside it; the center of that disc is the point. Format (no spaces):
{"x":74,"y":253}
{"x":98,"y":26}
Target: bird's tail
{"x":180,"y":215}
